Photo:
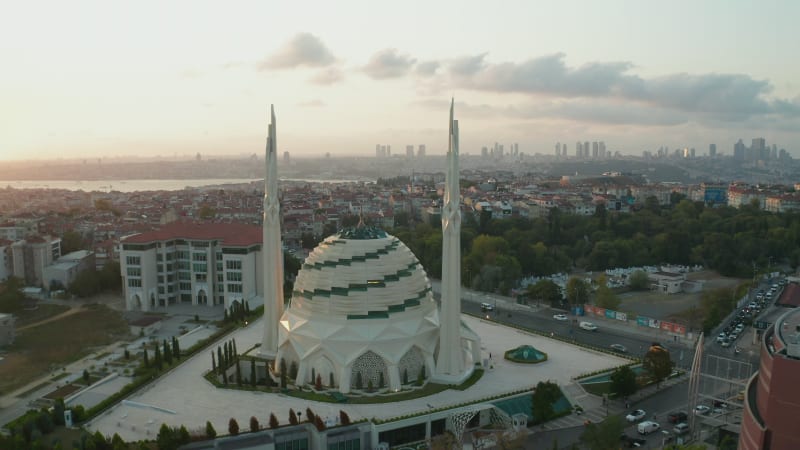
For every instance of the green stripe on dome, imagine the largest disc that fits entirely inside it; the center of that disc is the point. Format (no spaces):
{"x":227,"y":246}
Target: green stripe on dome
{"x":360,"y":287}
{"x":355,"y":258}
{"x":407,"y":303}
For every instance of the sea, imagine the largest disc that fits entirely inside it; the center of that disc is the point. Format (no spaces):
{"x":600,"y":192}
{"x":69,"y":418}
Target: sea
{"x":145,"y":185}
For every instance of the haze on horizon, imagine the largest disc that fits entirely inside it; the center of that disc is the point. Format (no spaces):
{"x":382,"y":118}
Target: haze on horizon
{"x":92,"y":79}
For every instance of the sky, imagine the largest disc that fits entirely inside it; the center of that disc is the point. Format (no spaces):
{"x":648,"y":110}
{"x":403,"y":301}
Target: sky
{"x":104,"y":79}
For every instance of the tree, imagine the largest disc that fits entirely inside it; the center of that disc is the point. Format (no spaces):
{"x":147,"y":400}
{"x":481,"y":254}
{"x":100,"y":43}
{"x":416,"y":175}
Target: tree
{"x":545,"y":290}
{"x":71,"y":241}
{"x":604,"y":297}
{"x":176,"y":348}
{"x":211,"y":433}
{"x":146,"y":360}
{"x":238,"y":372}
{"x":233,"y":427}
{"x":657,"y":363}
{"x":220,"y":360}
{"x":344,"y":418}
{"x":359,"y":381}
{"x":254,"y":425}
{"x":292,"y":417}
{"x":309,"y":415}
{"x":603,"y":435}
{"x":318,"y":382}
{"x":213,"y":363}
{"x":544,"y":396}
{"x":157,"y":359}
{"x":577,"y":291}
{"x":319,"y":424}
{"x":86,"y":378}
{"x":167,"y":353}
{"x":639,"y":281}
{"x":623,"y":381}
{"x":273,"y":421}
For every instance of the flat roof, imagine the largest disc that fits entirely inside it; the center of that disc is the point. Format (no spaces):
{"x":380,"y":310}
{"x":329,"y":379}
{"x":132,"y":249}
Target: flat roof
{"x":184,"y":397}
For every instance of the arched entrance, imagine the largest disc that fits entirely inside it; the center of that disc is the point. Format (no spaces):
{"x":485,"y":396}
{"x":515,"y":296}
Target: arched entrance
{"x":136,"y":303}
{"x":369,"y":369}
{"x":202,"y":299}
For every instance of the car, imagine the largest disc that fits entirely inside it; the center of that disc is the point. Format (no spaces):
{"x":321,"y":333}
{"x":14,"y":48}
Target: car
{"x":721,"y":337}
{"x":561,"y":317}
{"x":632,"y":442}
{"x":647,"y":427}
{"x":636,"y":415}
{"x":681,"y":428}
{"x":619,"y":348}
{"x":720,"y":404}
{"x":677,"y":417}
{"x":487,"y":306}
{"x":588,"y":326}
{"x":701,"y":409}
{"x":726,"y":343}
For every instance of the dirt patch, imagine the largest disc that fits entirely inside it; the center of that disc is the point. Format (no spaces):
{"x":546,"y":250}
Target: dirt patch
{"x":41,"y":312}
{"x":682,"y":308}
{"x":47,"y":346}
{"x":59,"y":316}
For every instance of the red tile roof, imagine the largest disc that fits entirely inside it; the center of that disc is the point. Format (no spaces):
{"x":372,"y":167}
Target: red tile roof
{"x":231,"y":234}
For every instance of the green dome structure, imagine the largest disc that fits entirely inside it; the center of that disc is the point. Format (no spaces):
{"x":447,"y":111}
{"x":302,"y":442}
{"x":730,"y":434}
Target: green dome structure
{"x":526,"y":354}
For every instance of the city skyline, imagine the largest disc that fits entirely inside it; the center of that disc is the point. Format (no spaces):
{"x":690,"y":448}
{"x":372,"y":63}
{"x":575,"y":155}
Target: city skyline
{"x":92,"y":79}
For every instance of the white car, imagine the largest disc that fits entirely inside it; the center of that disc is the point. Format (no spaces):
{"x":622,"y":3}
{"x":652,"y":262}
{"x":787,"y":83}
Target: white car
{"x":647,"y":427}
{"x":635,"y":416}
{"x":701,"y":409}
{"x":561,"y":317}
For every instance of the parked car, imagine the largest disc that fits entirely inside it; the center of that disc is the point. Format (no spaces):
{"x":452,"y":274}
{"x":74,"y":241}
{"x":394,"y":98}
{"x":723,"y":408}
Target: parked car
{"x":721,"y":337}
{"x":701,"y":409}
{"x":632,"y":442}
{"x":647,"y":427}
{"x":681,"y":428}
{"x":677,"y":417}
{"x":636,"y":415}
{"x":619,"y":348}
{"x":588,"y":326}
{"x":561,"y":317}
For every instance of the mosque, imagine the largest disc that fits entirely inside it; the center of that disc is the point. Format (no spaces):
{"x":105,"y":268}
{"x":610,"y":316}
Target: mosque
{"x":362,"y":313}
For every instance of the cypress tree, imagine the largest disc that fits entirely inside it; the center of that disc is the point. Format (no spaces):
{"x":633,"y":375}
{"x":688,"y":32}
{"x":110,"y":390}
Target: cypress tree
{"x":157,"y":358}
{"x":176,"y":348}
{"x":220,"y":361}
{"x":146,"y":359}
{"x":213,"y":363}
{"x":167,"y":353}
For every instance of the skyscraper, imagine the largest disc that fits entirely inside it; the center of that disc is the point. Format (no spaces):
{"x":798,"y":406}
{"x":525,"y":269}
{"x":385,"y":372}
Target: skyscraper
{"x":712,"y":150}
{"x":421,"y":151}
{"x":409,"y":151}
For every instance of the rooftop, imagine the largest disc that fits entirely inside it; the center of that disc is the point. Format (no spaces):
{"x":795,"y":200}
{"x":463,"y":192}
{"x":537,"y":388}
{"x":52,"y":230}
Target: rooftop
{"x":232,"y":234}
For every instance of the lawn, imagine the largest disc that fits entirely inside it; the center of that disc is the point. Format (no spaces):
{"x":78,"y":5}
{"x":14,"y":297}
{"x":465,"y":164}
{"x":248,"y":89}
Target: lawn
{"x":42,"y":312}
{"x":49,"y":346}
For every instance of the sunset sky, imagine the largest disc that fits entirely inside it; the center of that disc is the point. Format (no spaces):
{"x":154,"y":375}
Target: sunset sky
{"x":89,"y":79}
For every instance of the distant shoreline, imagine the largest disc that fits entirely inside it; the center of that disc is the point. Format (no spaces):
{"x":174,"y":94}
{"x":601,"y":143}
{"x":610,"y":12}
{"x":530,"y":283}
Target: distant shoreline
{"x":136,"y":185}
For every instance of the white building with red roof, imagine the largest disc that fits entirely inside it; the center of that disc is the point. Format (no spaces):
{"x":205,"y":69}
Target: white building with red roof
{"x":199,"y":264}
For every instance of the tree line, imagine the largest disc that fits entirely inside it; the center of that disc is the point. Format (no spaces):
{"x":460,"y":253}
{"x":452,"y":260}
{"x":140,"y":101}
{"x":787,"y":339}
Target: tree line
{"x":496,"y":253}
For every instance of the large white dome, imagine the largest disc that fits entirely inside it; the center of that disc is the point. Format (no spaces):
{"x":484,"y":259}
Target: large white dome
{"x":362,"y":304}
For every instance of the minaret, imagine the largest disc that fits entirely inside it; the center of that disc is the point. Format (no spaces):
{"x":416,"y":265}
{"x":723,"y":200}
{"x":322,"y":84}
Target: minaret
{"x":271,"y":250}
{"x":450,"y":362}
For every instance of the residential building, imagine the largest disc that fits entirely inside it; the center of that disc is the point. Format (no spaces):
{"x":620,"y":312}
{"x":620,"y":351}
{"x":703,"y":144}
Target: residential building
{"x":771,"y":399}
{"x":30,"y":256}
{"x":65,"y":269}
{"x":197,"y":264}
{"x":6,"y":268}
{"x":6,"y":329}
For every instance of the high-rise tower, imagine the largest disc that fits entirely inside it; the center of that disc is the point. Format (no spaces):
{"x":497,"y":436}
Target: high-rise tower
{"x":450,"y":362}
{"x":271,"y":251}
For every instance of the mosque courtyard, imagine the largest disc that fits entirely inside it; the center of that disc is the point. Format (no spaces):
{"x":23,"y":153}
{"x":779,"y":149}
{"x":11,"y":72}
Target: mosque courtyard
{"x":184,"y":397}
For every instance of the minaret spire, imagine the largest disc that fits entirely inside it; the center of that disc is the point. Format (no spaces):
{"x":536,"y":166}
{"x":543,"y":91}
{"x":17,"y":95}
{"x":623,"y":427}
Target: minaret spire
{"x":450,"y":363}
{"x":271,"y":250}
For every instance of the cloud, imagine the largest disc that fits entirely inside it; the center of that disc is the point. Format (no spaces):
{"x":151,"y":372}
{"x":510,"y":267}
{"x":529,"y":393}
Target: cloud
{"x":304,"y":49}
{"x":427,"y":68}
{"x":727,"y":96}
{"x":388,"y":63}
{"x":316,"y":103}
{"x":328,"y":76}
{"x":467,"y":65}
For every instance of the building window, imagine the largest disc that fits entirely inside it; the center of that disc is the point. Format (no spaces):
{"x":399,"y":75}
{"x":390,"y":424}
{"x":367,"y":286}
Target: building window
{"x":234,"y":276}
{"x":233,"y":264}
{"x":199,"y":267}
{"x":134,"y":272}
{"x":185,"y":286}
{"x":161,"y":289}
{"x":219,"y":256}
{"x":348,"y":444}
{"x":159,"y":257}
{"x":184,"y":276}
{"x":161,"y":278}
{"x":294,"y":444}
{"x":133,"y":260}
{"x":201,"y":277}
{"x":198,"y":256}
{"x":235,"y":288}
{"x":134,"y":282}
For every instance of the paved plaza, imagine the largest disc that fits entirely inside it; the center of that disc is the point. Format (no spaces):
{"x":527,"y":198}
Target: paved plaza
{"x":184,"y":397}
